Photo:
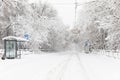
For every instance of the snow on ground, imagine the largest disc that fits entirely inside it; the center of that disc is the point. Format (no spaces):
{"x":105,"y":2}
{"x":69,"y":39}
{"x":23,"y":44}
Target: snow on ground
{"x":68,"y":65}
{"x":101,"y":67}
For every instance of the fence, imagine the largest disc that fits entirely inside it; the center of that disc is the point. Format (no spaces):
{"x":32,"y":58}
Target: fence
{"x":110,"y":53}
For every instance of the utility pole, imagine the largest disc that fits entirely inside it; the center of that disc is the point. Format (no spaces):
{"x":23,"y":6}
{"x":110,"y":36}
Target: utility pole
{"x":76,"y":5}
{"x":44,"y":7}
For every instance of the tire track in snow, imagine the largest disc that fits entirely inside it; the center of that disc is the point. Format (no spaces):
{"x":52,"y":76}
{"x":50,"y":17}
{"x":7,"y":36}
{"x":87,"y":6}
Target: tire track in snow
{"x":82,"y":66}
{"x":57,"y":72}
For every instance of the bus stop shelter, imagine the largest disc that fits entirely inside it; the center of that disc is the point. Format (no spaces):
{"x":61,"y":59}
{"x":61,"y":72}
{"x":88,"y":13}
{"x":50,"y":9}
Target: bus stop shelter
{"x":11,"y":47}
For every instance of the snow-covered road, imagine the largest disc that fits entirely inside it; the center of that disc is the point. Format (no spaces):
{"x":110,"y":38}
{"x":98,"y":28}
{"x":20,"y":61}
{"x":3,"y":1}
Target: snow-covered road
{"x":70,"y":69}
{"x":60,"y":66}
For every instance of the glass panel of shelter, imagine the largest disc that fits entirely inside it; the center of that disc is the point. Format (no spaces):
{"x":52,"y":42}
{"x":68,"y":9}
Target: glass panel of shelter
{"x":10,"y":49}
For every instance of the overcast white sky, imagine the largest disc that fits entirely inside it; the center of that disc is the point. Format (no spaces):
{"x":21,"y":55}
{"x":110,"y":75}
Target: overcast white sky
{"x":65,"y":8}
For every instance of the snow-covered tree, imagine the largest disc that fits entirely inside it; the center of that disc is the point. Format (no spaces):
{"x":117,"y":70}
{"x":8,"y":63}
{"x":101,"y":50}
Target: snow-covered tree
{"x":97,"y":20}
{"x":39,"y":20}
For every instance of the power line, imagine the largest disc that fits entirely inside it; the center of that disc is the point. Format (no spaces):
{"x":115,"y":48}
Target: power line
{"x":75,"y":4}
{"x":63,"y":3}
